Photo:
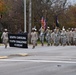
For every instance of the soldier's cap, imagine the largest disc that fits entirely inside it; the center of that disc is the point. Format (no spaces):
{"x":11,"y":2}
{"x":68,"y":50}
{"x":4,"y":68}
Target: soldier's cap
{"x":48,"y":27}
{"x":5,"y":29}
{"x":33,"y":28}
{"x":63,"y":29}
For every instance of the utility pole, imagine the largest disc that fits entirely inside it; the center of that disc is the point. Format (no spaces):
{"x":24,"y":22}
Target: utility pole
{"x":24,"y":15}
{"x":30,"y":3}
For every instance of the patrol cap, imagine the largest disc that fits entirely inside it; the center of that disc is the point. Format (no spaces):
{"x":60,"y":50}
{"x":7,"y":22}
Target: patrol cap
{"x":5,"y":29}
{"x":63,"y":29}
{"x":33,"y":28}
{"x":48,"y":27}
{"x":72,"y":28}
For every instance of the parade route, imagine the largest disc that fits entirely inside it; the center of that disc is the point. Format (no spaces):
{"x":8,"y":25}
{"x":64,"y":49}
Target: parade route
{"x":50,"y":53}
{"x":46,"y":60}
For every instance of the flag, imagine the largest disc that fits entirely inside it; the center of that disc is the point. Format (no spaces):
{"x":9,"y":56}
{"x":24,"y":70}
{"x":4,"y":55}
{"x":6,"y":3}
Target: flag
{"x":43,"y":22}
{"x":57,"y":22}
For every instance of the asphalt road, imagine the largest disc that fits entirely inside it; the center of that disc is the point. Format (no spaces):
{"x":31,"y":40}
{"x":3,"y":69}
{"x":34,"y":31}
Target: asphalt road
{"x":45,"y":60}
{"x":36,"y":68}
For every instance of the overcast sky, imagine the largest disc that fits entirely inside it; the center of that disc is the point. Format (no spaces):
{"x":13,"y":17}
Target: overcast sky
{"x":72,"y":1}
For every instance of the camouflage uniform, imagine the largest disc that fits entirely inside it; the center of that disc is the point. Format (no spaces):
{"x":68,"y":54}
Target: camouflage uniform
{"x":33,"y":38}
{"x":63,"y":37}
{"x":68,"y":37}
{"x":4,"y":37}
{"x":57,"y":37}
{"x":48,"y":36}
{"x":71,"y":37}
{"x":41,"y":36}
{"x":36,"y":36}
{"x":74,"y":37}
{"x":53,"y":38}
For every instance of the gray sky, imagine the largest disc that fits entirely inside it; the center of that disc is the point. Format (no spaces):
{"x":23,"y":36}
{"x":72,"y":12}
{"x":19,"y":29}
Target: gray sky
{"x":72,"y":1}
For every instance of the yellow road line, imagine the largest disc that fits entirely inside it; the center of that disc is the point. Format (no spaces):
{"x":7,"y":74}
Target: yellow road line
{"x":3,"y":57}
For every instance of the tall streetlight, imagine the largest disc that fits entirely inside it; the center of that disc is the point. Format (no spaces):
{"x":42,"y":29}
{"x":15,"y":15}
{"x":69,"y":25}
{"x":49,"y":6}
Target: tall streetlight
{"x":24,"y":15}
{"x":30,"y":3}
{"x":29,"y":16}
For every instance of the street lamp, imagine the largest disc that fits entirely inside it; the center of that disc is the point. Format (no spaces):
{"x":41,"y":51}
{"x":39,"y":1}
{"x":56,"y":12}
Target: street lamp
{"x":24,"y":15}
{"x":29,"y":35}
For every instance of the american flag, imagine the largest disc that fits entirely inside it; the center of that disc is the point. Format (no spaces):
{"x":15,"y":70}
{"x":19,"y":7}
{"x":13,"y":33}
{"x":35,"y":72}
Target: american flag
{"x":43,"y":22}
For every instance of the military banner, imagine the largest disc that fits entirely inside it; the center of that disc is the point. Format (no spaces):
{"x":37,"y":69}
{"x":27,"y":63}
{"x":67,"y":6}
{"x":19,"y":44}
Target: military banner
{"x":18,"y":40}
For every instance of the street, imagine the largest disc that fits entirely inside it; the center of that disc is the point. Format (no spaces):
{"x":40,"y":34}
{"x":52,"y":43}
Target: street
{"x":52,"y":60}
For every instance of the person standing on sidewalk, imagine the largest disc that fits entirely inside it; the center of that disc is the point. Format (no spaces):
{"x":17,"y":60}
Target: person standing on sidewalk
{"x":4,"y":37}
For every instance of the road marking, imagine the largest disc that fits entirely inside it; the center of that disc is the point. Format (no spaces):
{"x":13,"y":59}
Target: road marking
{"x":3,"y":57}
{"x":40,"y":61}
{"x":19,"y":54}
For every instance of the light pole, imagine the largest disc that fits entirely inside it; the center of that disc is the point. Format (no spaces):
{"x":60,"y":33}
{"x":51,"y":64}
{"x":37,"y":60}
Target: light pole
{"x":30,"y":3}
{"x":24,"y":15}
{"x":29,"y":16}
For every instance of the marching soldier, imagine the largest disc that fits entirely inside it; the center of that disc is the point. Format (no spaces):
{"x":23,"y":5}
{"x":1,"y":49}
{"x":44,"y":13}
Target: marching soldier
{"x":33,"y":38}
{"x":74,"y":36}
{"x":36,"y":36}
{"x":4,"y":37}
{"x":63,"y":37}
{"x":53,"y":37}
{"x":68,"y":37}
{"x":41,"y":36}
{"x":71,"y":36}
{"x":48,"y":36}
{"x":57,"y":37}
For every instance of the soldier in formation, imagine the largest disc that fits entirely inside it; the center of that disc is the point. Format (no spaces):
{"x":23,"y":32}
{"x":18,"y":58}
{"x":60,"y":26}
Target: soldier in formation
{"x":41,"y":36}
{"x":54,"y":37}
{"x":48,"y":36}
{"x":63,"y":37}
{"x":74,"y":37}
{"x":57,"y":37}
